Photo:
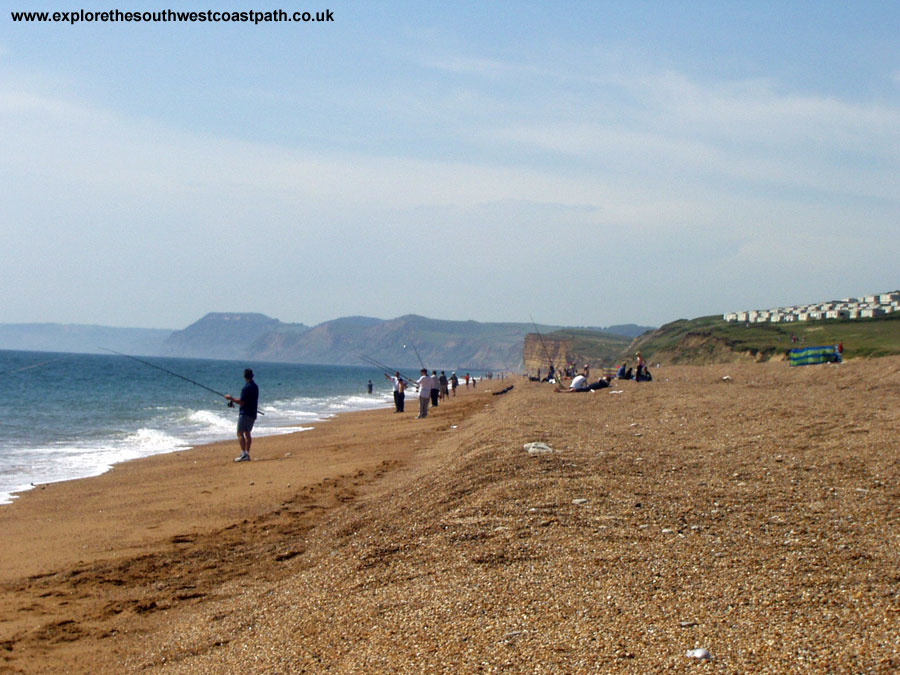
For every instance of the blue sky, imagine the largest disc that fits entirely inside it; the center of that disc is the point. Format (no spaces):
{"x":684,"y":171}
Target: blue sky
{"x":585,"y":163}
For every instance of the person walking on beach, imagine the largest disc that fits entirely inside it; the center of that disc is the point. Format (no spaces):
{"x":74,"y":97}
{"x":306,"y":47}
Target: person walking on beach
{"x":248,"y":403}
{"x":454,"y":383}
{"x":425,"y":384}
{"x":444,"y":382}
{"x":399,"y":391}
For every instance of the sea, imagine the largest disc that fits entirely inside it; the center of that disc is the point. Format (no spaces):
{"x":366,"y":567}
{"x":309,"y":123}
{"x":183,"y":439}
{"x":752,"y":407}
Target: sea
{"x":76,"y":415}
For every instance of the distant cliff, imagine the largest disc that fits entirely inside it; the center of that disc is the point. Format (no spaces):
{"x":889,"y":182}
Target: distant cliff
{"x":596,"y":348}
{"x":222,"y":335}
{"x":395,"y":342}
{"x":398,"y":342}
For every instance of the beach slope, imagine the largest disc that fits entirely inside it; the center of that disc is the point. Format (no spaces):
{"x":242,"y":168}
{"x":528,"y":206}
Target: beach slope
{"x":748,"y":510}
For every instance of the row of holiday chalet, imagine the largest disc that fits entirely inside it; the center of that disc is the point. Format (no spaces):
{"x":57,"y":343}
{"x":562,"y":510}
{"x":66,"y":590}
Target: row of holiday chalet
{"x":849,"y":308}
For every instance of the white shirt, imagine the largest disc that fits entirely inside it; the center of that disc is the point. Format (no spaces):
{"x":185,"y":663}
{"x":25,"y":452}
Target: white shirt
{"x":578,"y":381}
{"x":425,"y":384}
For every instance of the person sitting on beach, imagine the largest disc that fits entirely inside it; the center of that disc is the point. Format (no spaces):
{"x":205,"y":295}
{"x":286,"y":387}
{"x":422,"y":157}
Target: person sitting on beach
{"x":578,"y":381}
{"x":602,"y":383}
{"x":620,"y":373}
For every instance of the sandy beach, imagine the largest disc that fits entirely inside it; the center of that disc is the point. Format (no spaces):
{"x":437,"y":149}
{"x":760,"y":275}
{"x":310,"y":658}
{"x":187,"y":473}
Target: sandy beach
{"x":747,"y":510}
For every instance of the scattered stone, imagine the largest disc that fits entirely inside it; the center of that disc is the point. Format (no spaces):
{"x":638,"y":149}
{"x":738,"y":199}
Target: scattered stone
{"x":687,"y":624}
{"x":699,"y":654}
{"x":579,"y":501}
{"x":538,"y":448}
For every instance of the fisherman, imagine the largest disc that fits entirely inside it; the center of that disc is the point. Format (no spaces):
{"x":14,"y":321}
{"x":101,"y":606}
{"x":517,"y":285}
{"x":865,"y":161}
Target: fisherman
{"x":248,"y":403}
{"x":399,"y":391}
{"x":435,"y":388}
{"x":425,"y":384}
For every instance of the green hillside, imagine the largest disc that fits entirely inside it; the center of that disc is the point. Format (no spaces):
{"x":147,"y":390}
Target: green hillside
{"x":593,"y":345}
{"x":711,"y":339}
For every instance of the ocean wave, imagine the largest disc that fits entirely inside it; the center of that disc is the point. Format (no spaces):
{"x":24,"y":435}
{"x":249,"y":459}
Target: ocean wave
{"x":49,"y":446}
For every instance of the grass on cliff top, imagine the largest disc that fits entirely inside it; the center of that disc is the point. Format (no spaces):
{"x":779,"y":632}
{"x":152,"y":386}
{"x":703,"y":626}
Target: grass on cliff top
{"x":879,"y":336}
{"x":597,"y":346}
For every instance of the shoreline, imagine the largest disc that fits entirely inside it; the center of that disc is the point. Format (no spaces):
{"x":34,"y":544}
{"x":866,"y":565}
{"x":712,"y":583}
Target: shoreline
{"x":184,"y":444}
{"x":745,"y":509}
{"x":207,"y":467}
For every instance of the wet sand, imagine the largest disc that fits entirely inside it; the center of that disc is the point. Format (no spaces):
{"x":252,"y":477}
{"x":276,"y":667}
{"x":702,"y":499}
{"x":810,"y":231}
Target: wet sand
{"x":754,"y":517}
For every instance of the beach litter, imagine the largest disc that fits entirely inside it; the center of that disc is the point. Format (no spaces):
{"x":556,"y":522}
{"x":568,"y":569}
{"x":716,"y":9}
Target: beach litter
{"x":616,"y":391}
{"x":579,"y":501}
{"x":700,"y":654}
{"x":538,"y":448}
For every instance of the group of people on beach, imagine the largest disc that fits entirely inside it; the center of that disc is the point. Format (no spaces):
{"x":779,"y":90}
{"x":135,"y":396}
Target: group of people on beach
{"x":581,"y":381}
{"x":640,"y":373}
{"x":432,"y":389}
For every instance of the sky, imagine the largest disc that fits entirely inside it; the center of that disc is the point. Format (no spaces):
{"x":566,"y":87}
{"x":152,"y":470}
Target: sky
{"x":581,"y":163}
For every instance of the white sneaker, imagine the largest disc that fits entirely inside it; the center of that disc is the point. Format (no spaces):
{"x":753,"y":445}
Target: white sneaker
{"x":245,"y":457}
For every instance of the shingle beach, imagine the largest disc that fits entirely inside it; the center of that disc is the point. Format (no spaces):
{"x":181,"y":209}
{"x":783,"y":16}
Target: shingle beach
{"x":736,"y":518}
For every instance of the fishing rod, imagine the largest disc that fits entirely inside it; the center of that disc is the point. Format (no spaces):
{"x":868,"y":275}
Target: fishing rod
{"x":421,"y":363}
{"x":541,"y":338}
{"x":166,"y":370}
{"x":34,"y":365}
{"x":387,"y":369}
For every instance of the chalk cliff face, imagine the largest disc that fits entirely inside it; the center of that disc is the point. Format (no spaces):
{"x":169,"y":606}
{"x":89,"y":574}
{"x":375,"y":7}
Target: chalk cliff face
{"x":538,"y":352}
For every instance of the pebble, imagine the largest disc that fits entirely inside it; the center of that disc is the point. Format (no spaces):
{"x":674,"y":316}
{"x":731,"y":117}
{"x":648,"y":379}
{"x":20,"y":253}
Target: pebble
{"x":579,"y":501}
{"x":538,"y":448}
{"x":698,"y":654}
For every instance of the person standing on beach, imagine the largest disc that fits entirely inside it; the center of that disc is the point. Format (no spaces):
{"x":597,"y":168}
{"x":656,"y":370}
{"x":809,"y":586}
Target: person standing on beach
{"x":399,"y":391}
{"x":639,"y":367}
{"x":425,"y":384}
{"x":435,"y":388}
{"x":248,"y":403}
{"x":369,"y":386}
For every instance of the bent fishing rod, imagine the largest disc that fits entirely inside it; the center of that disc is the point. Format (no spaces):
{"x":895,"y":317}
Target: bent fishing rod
{"x":421,"y":363}
{"x":541,"y":338}
{"x":384,"y":367}
{"x":34,"y":365}
{"x":166,"y":370}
